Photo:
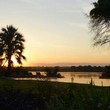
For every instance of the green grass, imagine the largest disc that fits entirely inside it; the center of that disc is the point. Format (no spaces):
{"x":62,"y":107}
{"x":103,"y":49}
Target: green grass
{"x":44,"y":95}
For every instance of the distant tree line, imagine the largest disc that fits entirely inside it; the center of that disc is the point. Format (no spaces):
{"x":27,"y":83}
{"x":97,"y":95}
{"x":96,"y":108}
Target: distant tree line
{"x":88,"y":68}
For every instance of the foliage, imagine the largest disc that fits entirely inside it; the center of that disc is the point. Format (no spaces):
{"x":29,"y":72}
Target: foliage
{"x":100,"y":22}
{"x":43,"y":95}
{"x":2,"y":71}
{"x":52,"y":72}
{"x":11,"y":44}
{"x":19,"y":72}
{"x":106,"y":72}
{"x":88,"y":68}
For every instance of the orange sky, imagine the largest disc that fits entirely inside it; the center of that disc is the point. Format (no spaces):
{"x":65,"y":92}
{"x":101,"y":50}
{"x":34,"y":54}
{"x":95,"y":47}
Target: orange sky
{"x":56,"y":31}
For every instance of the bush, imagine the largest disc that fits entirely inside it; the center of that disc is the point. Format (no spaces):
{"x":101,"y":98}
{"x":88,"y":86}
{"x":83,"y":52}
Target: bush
{"x":106,"y":73}
{"x":53,"y":72}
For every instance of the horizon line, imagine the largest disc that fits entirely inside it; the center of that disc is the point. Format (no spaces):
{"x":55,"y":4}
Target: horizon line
{"x":67,"y":64}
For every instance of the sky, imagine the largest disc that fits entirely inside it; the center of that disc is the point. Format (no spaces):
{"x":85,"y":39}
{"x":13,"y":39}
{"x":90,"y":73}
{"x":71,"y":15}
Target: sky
{"x":57,"y":32}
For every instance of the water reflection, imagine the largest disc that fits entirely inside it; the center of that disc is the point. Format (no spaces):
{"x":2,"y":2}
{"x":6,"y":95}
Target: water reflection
{"x":76,"y":77}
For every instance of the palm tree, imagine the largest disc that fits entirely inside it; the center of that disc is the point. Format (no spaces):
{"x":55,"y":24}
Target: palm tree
{"x":100,"y":21}
{"x":11,"y":44}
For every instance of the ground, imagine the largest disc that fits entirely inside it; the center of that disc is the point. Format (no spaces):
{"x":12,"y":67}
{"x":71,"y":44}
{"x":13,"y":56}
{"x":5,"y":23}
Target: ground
{"x":44,"y":95}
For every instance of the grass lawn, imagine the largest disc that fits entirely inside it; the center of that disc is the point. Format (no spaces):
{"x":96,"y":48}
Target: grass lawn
{"x":44,"y":95}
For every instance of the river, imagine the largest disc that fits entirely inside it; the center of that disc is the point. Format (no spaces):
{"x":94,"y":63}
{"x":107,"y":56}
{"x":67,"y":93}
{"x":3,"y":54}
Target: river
{"x":76,"y":77}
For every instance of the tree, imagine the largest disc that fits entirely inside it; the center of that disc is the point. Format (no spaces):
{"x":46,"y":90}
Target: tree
{"x":11,"y":44}
{"x":100,"y":22}
{"x":53,"y":72}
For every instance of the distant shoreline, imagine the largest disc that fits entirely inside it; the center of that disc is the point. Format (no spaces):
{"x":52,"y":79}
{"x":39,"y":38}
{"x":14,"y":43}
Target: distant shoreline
{"x":69,"y":68}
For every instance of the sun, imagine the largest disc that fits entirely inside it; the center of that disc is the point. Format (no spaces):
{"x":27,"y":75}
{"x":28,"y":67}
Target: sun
{"x":14,"y":61}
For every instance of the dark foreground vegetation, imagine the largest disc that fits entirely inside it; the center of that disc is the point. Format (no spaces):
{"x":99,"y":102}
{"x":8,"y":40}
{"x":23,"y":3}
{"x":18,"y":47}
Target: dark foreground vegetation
{"x":43,"y":95}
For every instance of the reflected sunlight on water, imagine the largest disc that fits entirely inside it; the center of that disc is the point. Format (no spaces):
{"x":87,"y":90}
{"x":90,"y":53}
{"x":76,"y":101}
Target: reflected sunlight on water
{"x":76,"y":77}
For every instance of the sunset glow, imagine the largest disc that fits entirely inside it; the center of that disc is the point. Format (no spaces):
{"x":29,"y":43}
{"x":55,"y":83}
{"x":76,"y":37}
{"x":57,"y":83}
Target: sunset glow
{"x":56,"y":31}
{"x":14,"y":61}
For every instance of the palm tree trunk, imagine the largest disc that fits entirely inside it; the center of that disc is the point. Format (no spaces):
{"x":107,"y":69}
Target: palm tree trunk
{"x":8,"y":73}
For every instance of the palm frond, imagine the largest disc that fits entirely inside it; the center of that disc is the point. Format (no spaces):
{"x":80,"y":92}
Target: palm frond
{"x":12,"y":43}
{"x":100,"y":22}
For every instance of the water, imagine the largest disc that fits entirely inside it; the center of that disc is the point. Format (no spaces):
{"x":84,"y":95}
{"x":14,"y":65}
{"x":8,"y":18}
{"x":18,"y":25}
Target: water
{"x":76,"y":77}
{"x":85,"y":78}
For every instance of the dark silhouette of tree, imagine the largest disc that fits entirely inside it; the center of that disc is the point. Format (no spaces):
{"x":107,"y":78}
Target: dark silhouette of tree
{"x":100,"y":22}
{"x":53,"y":72}
{"x":11,"y":44}
{"x":106,"y":72}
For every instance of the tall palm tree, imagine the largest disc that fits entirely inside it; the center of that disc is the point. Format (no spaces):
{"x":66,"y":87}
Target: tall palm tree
{"x":100,"y":21}
{"x":11,"y":44}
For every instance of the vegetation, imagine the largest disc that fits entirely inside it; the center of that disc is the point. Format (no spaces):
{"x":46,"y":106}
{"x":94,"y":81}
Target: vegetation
{"x":53,"y":72}
{"x":88,"y":68}
{"x":106,"y":72}
{"x":11,"y":44}
{"x":19,"y":72}
{"x":43,"y":95}
{"x":100,"y":22}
